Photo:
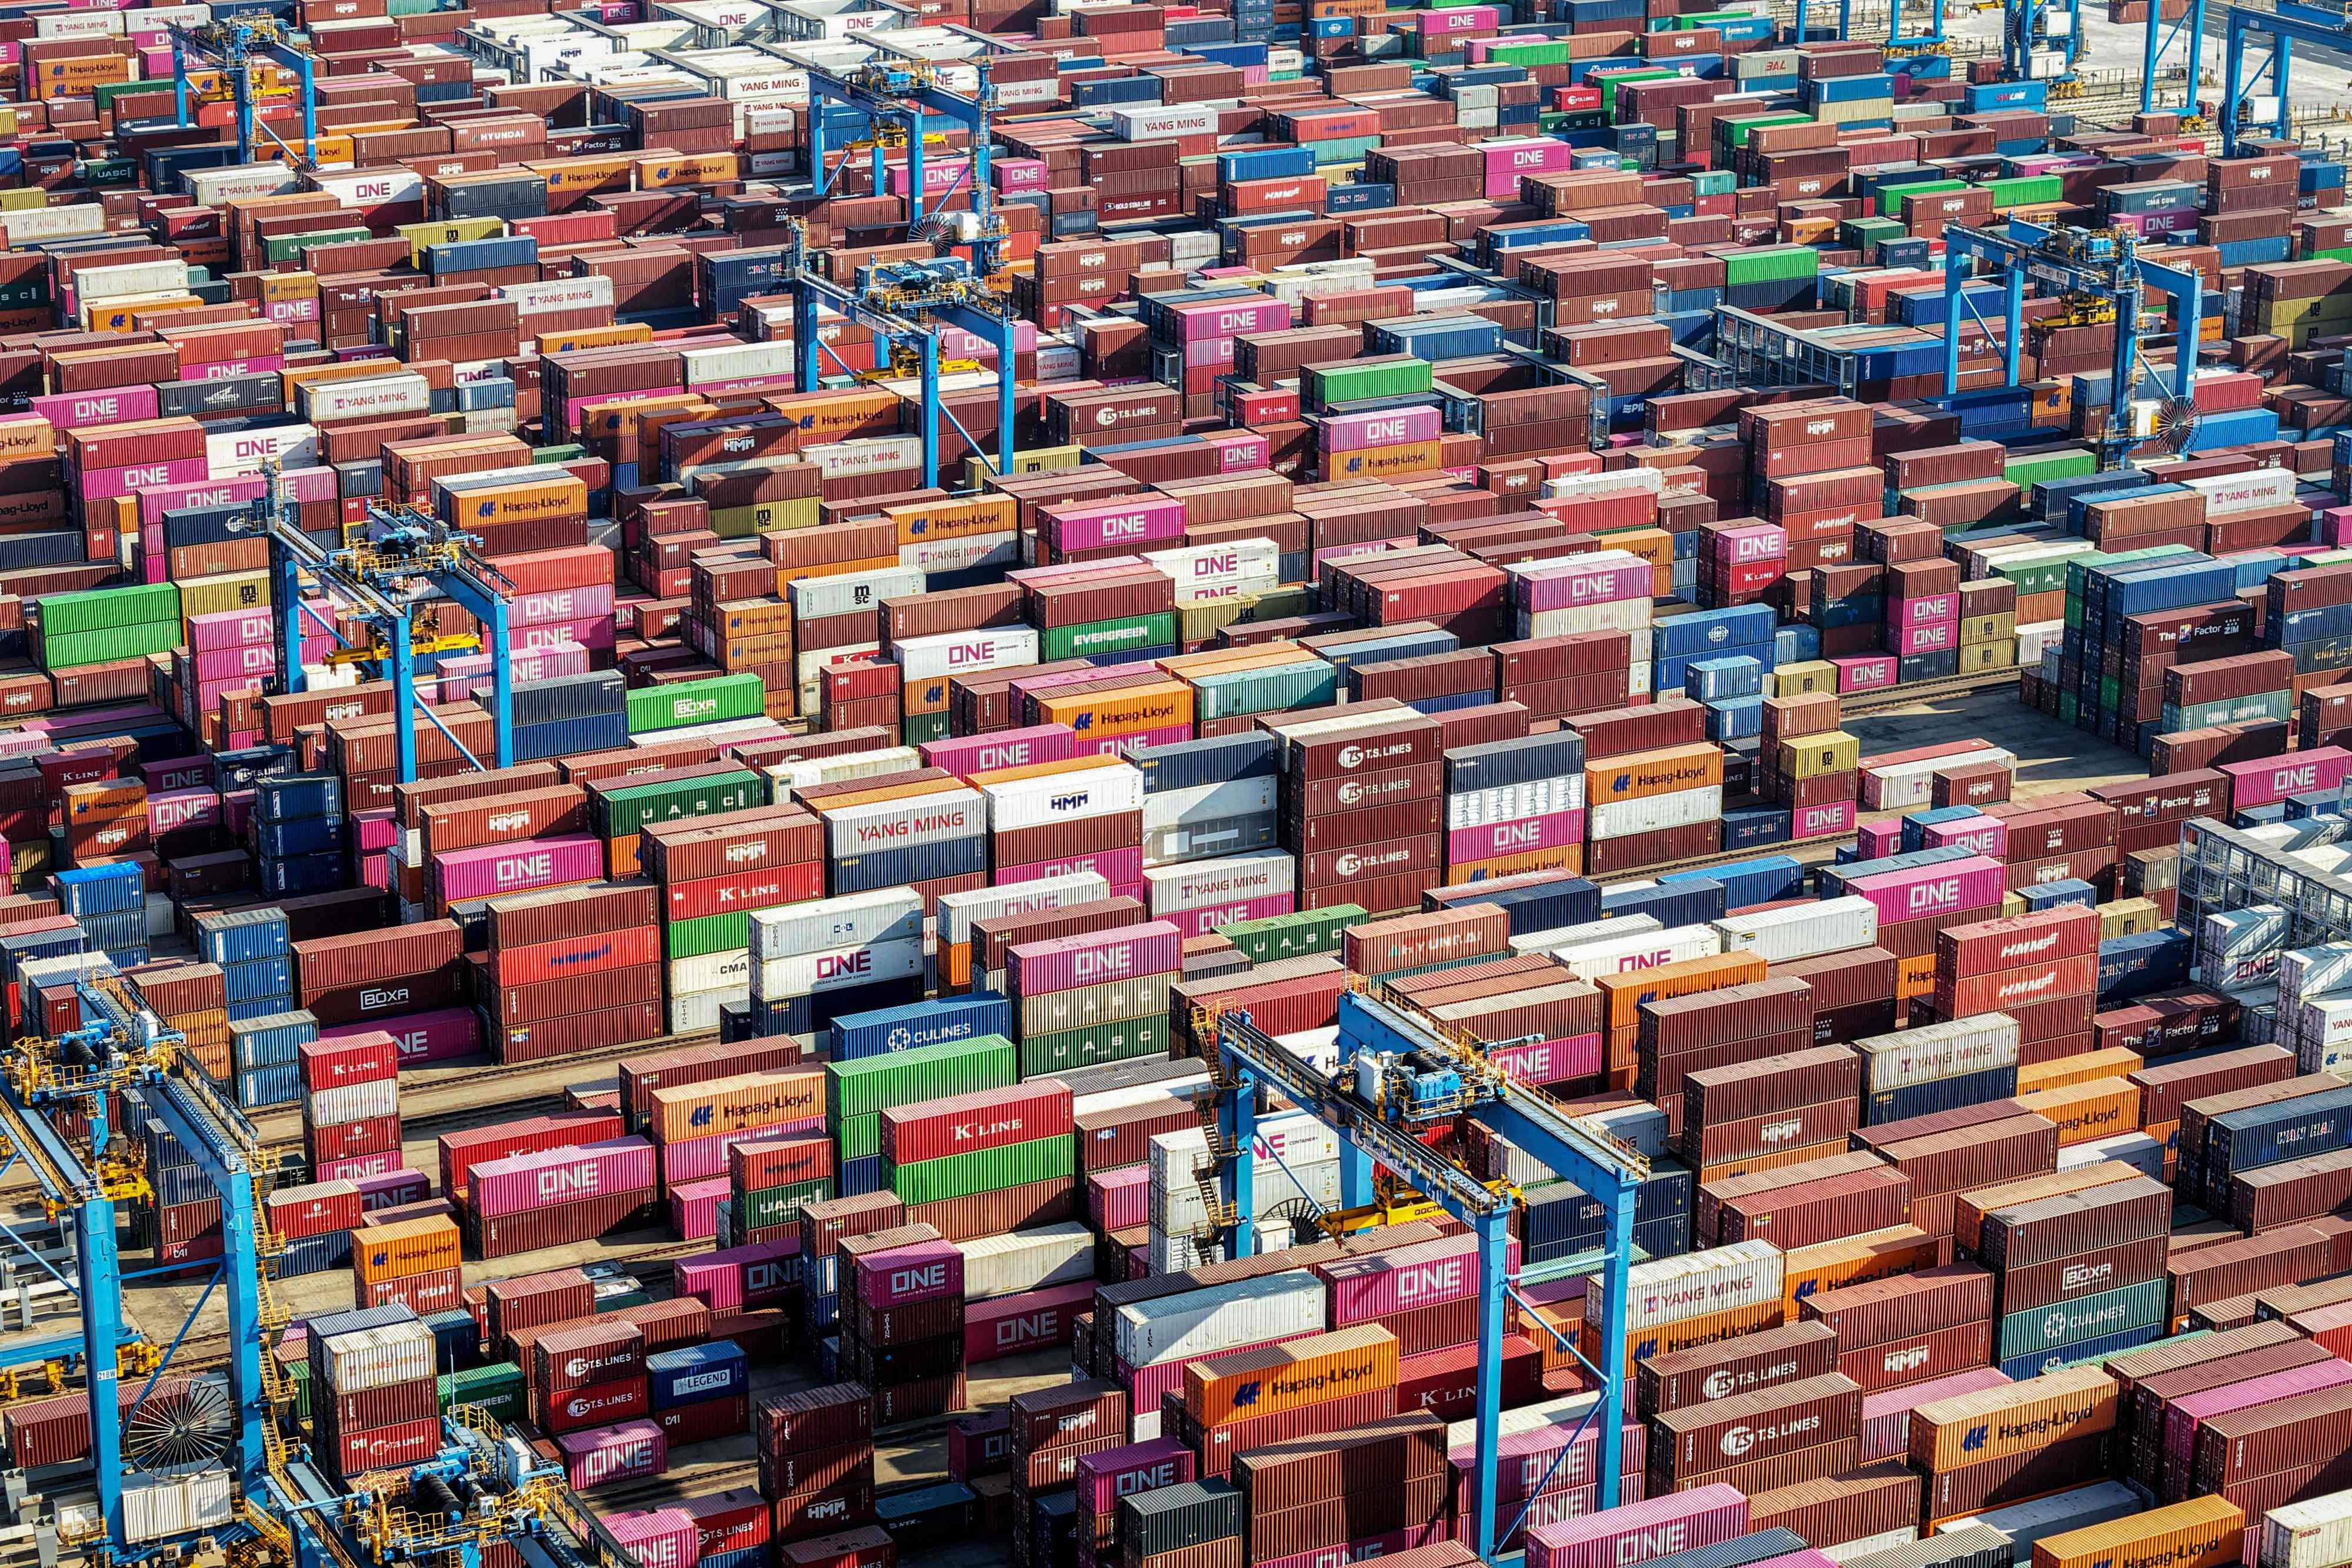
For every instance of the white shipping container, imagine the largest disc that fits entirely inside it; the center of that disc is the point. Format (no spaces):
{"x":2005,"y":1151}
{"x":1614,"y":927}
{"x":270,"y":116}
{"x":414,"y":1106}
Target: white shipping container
{"x":1026,"y":1261}
{"x":933,"y":819}
{"x":2137,"y":1150}
{"x":1065,"y":795}
{"x":372,"y":397}
{"x":2227,"y":494}
{"x":1646,"y":950}
{"x":1670,"y":1289}
{"x":1177,"y":1088}
{"x":1785,"y":935}
{"x":936,"y":557}
{"x":1154,"y":122}
{"x":958,"y":909}
{"x":1515,"y":802}
{"x":1608,"y":615}
{"x":2027,"y":1522}
{"x":736,"y":361}
{"x":1606,"y":929}
{"x":559,"y":294}
{"x":373,"y":187}
{"x":1654,"y":813}
{"x":696,"y":1013}
{"x":1952,"y":1049}
{"x":853,"y":919}
{"x":1854,"y":1549}
{"x":210,"y":187}
{"x":1208,"y":803}
{"x":724,"y":971}
{"x":954,"y":653}
{"x":350,"y":1102}
{"x":1293,"y":1137}
{"x":1200,"y":1323}
{"x":1205,"y":885}
{"x":1906,"y":786}
{"x":804,"y":973}
{"x":808,"y":774}
{"x":131,"y":277}
{"x":2314,"y":1534}
{"x":2313,"y":971}
{"x":233,"y":453}
{"x":816,"y":597}
{"x":374,"y":1358}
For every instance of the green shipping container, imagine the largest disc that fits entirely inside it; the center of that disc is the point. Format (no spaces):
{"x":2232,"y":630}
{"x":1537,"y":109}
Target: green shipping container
{"x":984,"y":1170}
{"x":1345,"y":380}
{"x":2025,"y":469}
{"x":779,"y":1205}
{"x":289,"y":248}
{"x":709,"y":700}
{"x":1124,"y":635}
{"x":873,"y":1084}
{"x":109,"y":645}
{"x":297,"y":1382}
{"x":2026,"y":191}
{"x":1298,"y":936}
{"x":1071,"y":1048}
{"x":706,"y":933}
{"x":1609,"y":81}
{"x":639,"y":806}
{"x":64,"y":614}
{"x":855,"y":1137}
{"x":1770,"y":264}
{"x":924,"y":729}
{"x":1735,"y":131}
{"x":1310,"y":683}
{"x":1532,"y":54}
{"x":498,"y":1388}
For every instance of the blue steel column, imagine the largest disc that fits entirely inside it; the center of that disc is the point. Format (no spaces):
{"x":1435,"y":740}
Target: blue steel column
{"x":927,"y":345}
{"x":1355,"y":1175}
{"x":501,"y":680}
{"x":1493,"y":1277}
{"x":1237,"y":1118}
{"x":101,"y":1326}
{"x":2233,"y":70}
{"x":1956,"y":267}
{"x":240,"y":1246}
{"x":289,"y":591}
{"x":403,"y":697}
{"x":804,"y":361}
{"x":2281,"y":63}
{"x":1007,"y":333}
{"x":2015,"y":330}
{"x":2195,"y":22}
{"x":1613,"y":1368}
{"x":310,"y":110}
{"x":180,"y":77}
{"x":2148,"y":61}
{"x":914,"y":172}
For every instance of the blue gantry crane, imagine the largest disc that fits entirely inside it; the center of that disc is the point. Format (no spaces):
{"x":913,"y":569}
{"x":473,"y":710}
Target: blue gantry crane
{"x":2105,"y":274}
{"x":406,"y":558}
{"x":2323,"y":25}
{"x":234,"y":46}
{"x":2162,"y":38}
{"x":1400,"y":1074}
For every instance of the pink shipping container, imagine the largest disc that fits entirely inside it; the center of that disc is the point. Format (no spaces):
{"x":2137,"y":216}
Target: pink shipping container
{"x":1034,"y":969}
{"x":389,"y":1189}
{"x":1390,"y":427}
{"x":1526,"y":1461}
{"x":1550,"y":1060}
{"x":968,"y":1123}
{"x":694,"y":1209}
{"x":1230,"y":317}
{"x":1821,"y":822}
{"x":1120,"y":1200}
{"x":1807,"y":1558}
{"x":1507,"y":160}
{"x":229,"y":629}
{"x":926,"y":1271}
{"x":1933,"y":610}
{"x":1201,"y":921}
{"x":1617,"y":1537}
{"x":1467,"y":19}
{"x":2183,"y":1417}
{"x":1105,"y":525}
{"x":2269,"y":779}
{"x":115,"y":405}
{"x":1110,"y":1474}
{"x":351,"y":1167}
{"x":1016,"y":1325}
{"x":1490,"y":840}
{"x":1364,"y":1290}
{"x":441,"y":1035}
{"x":1572,"y":584}
{"x":1987,"y":836}
{"x":105,"y":484}
{"x":472,"y":678}
{"x":627,"y":1452}
{"x":707,"y":1156}
{"x":657,"y":1537}
{"x":1923,"y":891}
{"x":494,"y":869}
{"x":556,"y":605}
{"x":526,"y":1181}
{"x":367,"y":1057}
{"x":460,"y":1152}
{"x":971,"y":754}
{"x":1113,"y":866}
{"x":740,"y":1278}
{"x":1932,"y":637}
{"x":1744,"y":546}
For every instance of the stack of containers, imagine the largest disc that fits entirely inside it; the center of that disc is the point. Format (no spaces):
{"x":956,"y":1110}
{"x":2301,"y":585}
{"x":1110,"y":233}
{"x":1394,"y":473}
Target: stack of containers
{"x":808,"y":964}
{"x":547,"y":1197}
{"x":769,"y":1179}
{"x":817,"y":1458}
{"x":700,"y":1393}
{"x":1080,"y":814}
{"x":858,"y":1092}
{"x":1760,"y":1440}
{"x":929,"y":833}
{"x":1695,"y":1299}
{"x":1177,"y":1215}
{"x":253,"y":950}
{"x":314,"y":1223}
{"x":1022,"y":1290}
{"x":695,"y":1125}
{"x":1362,"y":807}
{"x":1943,"y":1066}
{"x":602,"y":1004}
{"x":1514,"y":806}
{"x":1658,"y":797}
{"x":1207,"y":798}
{"x":2040,"y":969}
{"x":713,"y":871}
{"x":266,"y":1053}
{"x":1048,"y":1431}
{"x":298,"y":834}
{"x":110,"y":903}
{"x":350,"y":1105}
{"x":2013,"y":1441}
{"x":1810,"y":767}
{"x":416,"y":1262}
{"x":1911,"y":1328}
{"x":902,"y":1322}
{"x":1097,"y":997}
{"x":589,"y":1374}
{"x":373,"y":1398}
{"x":1313,"y":1493}
{"x":984,"y":1164}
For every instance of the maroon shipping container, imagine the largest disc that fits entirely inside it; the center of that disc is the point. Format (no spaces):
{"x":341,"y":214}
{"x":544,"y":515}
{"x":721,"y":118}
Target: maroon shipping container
{"x":2293,"y":1255}
{"x":1722,"y":1096}
{"x":2243,"y":1445}
{"x":600,"y":1350}
{"x":1918,"y":1358}
{"x":2072,"y":1278}
{"x":1849,"y":1205}
{"x":826,"y":1416}
{"x":528,"y":919}
{"x":1903,"y":1307}
{"x":641,"y":1075}
{"x":1797,"y":1350}
{"x":2166,"y":1086}
{"x":461,"y":1152}
{"x":535,"y":1300}
{"x":1876,"y":1500}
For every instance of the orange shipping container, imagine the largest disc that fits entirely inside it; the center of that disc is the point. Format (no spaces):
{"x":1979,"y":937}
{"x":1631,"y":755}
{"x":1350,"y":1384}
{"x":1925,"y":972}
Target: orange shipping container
{"x":2203,"y":1532}
{"x":1807,"y":1271}
{"x":2014,"y":1419}
{"x":2099,"y":1109}
{"x":753,"y":1101}
{"x":1643,"y":774}
{"x":1707,"y":1328}
{"x":403,"y":1248}
{"x":1278,"y":1377}
{"x":2112,"y":1062}
{"x":1626,"y":992}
